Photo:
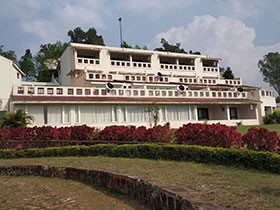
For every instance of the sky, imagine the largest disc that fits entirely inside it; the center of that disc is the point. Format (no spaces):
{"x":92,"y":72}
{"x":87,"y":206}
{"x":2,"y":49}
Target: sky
{"x":240,"y":32}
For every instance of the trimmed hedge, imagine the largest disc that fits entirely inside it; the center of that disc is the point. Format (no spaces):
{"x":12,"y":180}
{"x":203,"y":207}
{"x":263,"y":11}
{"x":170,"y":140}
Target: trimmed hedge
{"x":264,"y":161}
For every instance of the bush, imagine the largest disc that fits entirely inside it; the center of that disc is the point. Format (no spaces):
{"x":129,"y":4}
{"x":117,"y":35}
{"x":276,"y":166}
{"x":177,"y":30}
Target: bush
{"x":261,"y":139}
{"x":265,"y":161}
{"x":82,"y":132}
{"x":64,"y":133}
{"x":115,"y":133}
{"x":17,"y":133}
{"x":159,"y":134}
{"x":46,"y":133}
{"x":4,"y":133}
{"x":273,"y":118}
{"x":214,"y":135}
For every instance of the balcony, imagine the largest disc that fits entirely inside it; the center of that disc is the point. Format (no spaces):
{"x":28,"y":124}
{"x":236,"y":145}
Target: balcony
{"x":103,"y":92}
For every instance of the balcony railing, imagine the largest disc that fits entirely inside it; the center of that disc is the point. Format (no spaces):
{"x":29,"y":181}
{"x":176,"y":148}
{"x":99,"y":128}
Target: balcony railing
{"x":87,"y":61}
{"x":130,"y":64}
{"x":177,"y":67}
{"x":95,"y":92}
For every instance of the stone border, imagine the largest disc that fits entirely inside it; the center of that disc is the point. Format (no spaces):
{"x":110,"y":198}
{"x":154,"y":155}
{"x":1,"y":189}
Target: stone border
{"x":155,"y":196}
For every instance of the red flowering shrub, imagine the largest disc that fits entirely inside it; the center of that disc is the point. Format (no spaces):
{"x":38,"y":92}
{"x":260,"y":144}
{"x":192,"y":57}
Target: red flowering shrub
{"x":115,"y":133}
{"x":17,"y":133}
{"x":261,"y":139}
{"x":31,"y":134}
{"x":47,"y":133}
{"x":159,"y":133}
{"x":64,"y":133}
{"x":4,"y":133}
{"x":82,"y":132}
{"x":214,"y":135}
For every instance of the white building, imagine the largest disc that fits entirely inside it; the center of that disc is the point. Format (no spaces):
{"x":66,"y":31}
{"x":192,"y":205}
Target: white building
{"x":10,"y":75}
{"x":103,"y":86}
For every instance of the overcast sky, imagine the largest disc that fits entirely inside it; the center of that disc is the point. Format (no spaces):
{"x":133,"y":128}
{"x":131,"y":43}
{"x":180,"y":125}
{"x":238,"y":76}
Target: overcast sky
{"x":240,"y":32}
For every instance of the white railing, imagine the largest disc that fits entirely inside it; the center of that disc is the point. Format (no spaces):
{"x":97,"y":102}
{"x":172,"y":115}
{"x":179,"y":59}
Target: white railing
{"x":210,"y":69}
{"x":130,"y":64}
{"x":177,"y":67}
{"x":236,"y":81}
{"x":95,"y":92}
{"x":87,"y":61}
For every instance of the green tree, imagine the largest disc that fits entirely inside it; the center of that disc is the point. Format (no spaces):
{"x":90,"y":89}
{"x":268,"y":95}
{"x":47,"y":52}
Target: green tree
{"x":18,"y":118}
{"x":10,"y":54}
{"x":48,"y":58}
{"x":88,"y":37}
{"x":166,"y":47}
{"x":270,"y":69}
{"x":27,"y":65}
{"x":153,"y":113}
{"x":227,"y":73}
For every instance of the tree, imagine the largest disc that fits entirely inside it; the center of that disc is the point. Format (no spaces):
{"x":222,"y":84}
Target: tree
{"x":89,"y":37}
{"x":153,"y":113}
{"x":8,"y":54}
{"x":27,"y":65}
{"x":270,"y":69}
{"x":48,"y":58}
{"x":166,"y":47}
{"x":227,"y":73}
{"x":16,"y":119}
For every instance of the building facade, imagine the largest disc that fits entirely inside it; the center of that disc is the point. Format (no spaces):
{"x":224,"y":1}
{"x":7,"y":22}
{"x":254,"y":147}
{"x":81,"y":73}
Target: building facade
{"x":102,"y":86}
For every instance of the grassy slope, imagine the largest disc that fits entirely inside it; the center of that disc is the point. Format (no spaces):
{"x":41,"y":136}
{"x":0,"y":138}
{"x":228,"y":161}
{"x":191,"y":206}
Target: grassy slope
{"x":208,"y":186}
{"x":273,"y":127}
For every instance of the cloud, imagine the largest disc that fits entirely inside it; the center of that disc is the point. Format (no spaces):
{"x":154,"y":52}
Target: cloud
{"x":226,"y":38}
{"x":62,"y":17}
{"x":156,"y":7}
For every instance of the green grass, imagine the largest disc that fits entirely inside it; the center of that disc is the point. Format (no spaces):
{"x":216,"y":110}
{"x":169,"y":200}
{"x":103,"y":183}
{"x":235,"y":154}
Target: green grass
{"x":207,"y":186}
{"x":272,"y":127}
{"x":45,"y":193}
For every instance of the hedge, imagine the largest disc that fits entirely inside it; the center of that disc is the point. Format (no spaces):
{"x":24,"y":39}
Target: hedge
{"x":264,"y":161}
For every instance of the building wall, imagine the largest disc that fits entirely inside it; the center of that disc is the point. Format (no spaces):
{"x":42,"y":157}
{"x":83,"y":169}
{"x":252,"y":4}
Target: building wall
{"x":9,"y":76}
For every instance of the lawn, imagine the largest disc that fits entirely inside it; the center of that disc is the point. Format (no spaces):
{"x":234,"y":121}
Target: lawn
{"x":46,"y":193}
{"x":272,"y":127}
{"x":206,"y":186}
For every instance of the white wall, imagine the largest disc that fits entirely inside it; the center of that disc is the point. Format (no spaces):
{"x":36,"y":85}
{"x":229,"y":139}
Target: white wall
{"x":10,"y":76}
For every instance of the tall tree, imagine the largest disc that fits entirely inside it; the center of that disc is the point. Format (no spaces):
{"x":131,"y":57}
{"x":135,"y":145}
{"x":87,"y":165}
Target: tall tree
{"x":48,"y":58}
{"x":227,"y":73}
{"x":169,"y":47}
{"x":270,"y":69}
{"x":10,"y":54}
{"x":27,"y":65}
{"x":88,"y":37}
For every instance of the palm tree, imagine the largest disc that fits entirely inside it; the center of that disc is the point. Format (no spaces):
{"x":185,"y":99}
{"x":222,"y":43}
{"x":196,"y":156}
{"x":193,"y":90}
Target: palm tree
{"x":19,"y":118}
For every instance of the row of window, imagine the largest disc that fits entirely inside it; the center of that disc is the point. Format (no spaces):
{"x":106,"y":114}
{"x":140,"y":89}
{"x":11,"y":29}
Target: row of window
{"x":208,"y":69}
{"x":56,"y":114}
{"x":233,"y":82}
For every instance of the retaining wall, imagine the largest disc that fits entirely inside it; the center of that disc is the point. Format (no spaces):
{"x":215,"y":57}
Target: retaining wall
{"x":156,"y":196}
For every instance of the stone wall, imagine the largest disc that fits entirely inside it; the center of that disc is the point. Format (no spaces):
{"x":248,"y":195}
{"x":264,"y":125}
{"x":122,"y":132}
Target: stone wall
{"x":156,"y":196}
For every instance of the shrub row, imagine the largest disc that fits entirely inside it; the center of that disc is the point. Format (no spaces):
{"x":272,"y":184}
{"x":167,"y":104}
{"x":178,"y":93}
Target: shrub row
{"x":264,"y":161}
{"x":214,"y":135}
{"x":82,"y":132}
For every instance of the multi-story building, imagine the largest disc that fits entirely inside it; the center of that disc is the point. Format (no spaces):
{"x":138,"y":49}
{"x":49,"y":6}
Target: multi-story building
{"x":102,"y":86}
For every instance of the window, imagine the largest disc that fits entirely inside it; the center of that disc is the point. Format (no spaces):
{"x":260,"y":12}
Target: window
{"x":233,"y":113}
{"x":202,"y":114}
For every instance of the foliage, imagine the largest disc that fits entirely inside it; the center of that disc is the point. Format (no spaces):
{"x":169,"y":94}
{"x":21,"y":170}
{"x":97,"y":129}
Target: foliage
{"x":273,"y":118}
{"x":47,"y":58}
{"x":10,"y":54}
{"x":153,"y":113}
{"x":227,"y":73}
{"x":82,"y":132}
{"x":88,"y":37}
{"x":261,"y":139}
{"x":265,"y":161}
{"x":214,"y":135}
{"x":270,"y":69}
{"x":27,"y":65}
{"x":19,"y":118}
{"x":166,"y":47}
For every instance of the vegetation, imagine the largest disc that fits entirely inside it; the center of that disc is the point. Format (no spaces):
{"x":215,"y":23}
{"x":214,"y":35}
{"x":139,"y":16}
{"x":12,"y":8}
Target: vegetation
{"x":10,"y":54}
{"x":27,"y":65}
{"x":206,"y":186}
{"x":265,"y":161}
{"x":44,"y":193}
{"x":227,"y":73}
{"x":89,"y":37}
{"x":15,"y":119}
{"x":270,"y":69}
